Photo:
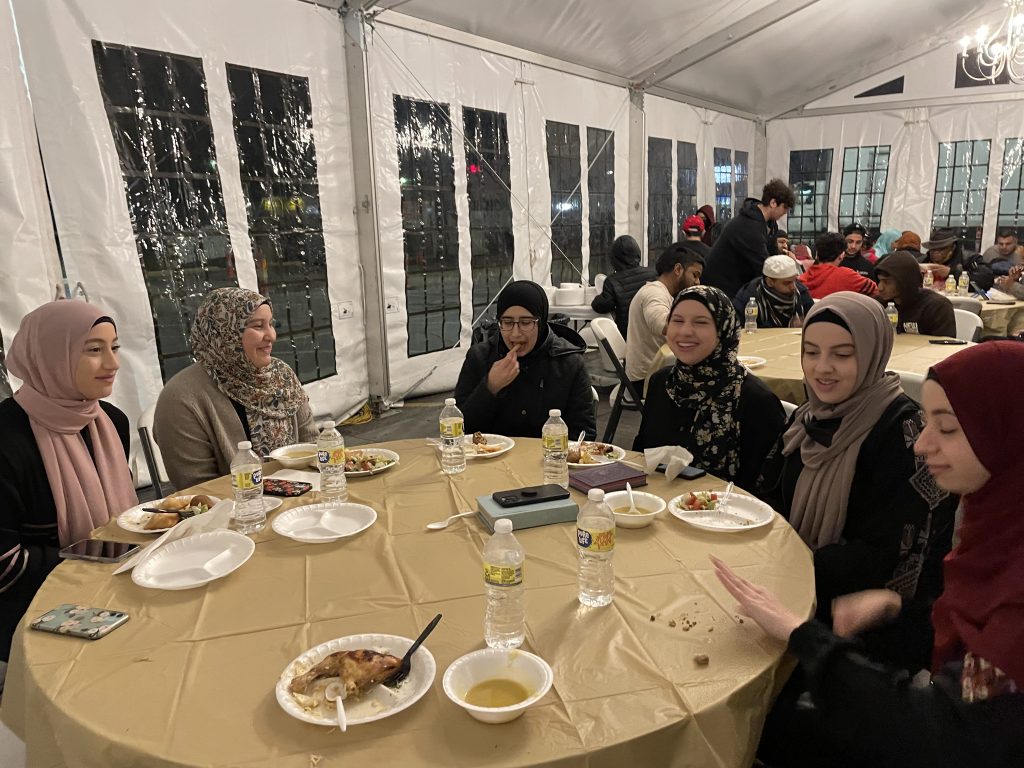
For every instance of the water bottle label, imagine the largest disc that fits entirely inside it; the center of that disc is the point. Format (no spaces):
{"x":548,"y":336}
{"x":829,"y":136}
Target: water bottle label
{"x":334,"y":458}
{"x":556,"y":443}
{"x":245,"y":481}
{"x":452,"y":428}
{"x":596,"y":541}
{"x":503,"y":575}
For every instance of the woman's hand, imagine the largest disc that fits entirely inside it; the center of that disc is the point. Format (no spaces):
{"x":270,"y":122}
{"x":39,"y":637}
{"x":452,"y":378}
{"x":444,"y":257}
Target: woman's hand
{"x":758,"y":603}
{"x":857,"y":612}
{"x":503,"y":372}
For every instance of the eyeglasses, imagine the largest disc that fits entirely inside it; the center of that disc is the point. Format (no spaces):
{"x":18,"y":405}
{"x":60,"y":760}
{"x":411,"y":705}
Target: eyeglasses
{"x":525,"y":323}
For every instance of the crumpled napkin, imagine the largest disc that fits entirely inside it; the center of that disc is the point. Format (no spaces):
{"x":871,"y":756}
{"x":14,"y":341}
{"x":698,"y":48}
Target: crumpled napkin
{"x":674,"y":457}
{"x":217,"y":516}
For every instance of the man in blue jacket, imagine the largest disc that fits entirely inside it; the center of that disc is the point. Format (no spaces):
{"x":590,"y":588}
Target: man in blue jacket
{"x":738,"y":255}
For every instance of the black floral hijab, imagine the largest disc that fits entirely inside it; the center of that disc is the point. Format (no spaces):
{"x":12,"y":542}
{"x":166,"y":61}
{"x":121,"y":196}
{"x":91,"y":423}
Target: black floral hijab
{"x":710,"y":390}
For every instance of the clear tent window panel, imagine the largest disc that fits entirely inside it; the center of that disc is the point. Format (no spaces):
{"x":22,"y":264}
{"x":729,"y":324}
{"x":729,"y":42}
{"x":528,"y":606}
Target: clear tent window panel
{"x":741,"y":172}
{"x":686,"y":183}
{"x":723,"y":184}
{"x":660,"y":227}
{"x":273,"y":125}
{"x":1011,"y":191}
{"x":488,"y":185}
{"x":563,"y":147}
{"x":961,"y":179}
{"x":426,"y":172}
{"x":157,"y":107}
{"x":810,"y":174}
{"x":5,"y":381}
{"x":601,"y":199}
{"x":862,"y":194}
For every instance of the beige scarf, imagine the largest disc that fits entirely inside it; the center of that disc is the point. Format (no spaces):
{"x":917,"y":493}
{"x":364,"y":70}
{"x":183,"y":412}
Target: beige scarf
{"x":823,"y":489}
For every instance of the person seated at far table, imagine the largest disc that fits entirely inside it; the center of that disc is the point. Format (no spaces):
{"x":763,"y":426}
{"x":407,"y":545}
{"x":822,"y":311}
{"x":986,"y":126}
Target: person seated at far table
{"x":693,"y":231}
{"x":621,"y":286}
{"x":782,"y":300}
{"x":64,"y":454}
{"x":844,"y":472}
{"x":856,"y":238}
{"x":707,"y":402}
{"x":869,"y":714}
{"x":678,"y":267}
{"x":908,"y":241}
{"x":920,"y":311}
{"x":945,"y":256}
{"x":885,"y":244}
{"x":827,"y":275}
{"x":1002,"y":256}
{"x":235,"y":391}
{"x":1011,"y":283}
{"x":511,"y":380}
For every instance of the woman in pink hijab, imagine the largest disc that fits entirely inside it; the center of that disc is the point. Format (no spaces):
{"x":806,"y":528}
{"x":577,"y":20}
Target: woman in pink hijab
{"x":63,"y":457}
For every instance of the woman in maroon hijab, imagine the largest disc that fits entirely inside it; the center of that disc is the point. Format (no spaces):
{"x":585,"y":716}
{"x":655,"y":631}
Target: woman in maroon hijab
{"x":63,"y":456}
{"x":972,"y":712}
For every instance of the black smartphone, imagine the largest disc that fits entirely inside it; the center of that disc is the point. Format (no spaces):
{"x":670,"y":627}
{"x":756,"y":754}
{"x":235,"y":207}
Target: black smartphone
{"x":517,"y":497}
{"x":688,"y":473}
{"x":956,"y":342}
{"x":99,"y":550}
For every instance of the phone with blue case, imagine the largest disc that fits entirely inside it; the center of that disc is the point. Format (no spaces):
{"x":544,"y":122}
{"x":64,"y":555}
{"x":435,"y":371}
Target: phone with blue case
{"x":80,"y":621}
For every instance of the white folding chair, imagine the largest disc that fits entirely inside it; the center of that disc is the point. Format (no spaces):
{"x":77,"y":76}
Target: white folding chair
{"x":911,"y":383}
{"x":624,"y":395}
{"x":789,"y":407}
{"x":966,"y":303}
{"x":154,"y":461}
{"x":968,"y":324}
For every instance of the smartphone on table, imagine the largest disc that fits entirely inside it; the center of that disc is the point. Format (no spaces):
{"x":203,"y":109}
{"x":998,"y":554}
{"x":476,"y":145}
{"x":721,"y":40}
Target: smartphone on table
{"x":80,"y":621}
{"x":534,"y":494}
{"x":99,"y":550}
{"x":952,"y":342}
{"x":687,"y":473}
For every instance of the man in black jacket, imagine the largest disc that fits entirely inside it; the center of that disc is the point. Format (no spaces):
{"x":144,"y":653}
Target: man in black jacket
{"x":620,"y":286}
{"x":920,"y":311}
{"x":737,"y":257}
{"x":855,"y":235}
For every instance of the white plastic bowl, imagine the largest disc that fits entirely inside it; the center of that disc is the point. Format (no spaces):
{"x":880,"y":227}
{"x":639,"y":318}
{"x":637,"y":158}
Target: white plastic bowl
{"x":531,"y":671}
{"x":569,"y":297}
{"x":651,"y":505}
{"x":281,"y":455}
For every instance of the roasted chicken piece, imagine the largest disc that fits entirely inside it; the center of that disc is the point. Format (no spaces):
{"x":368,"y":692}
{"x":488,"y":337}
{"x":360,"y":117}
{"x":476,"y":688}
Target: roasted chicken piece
{"x":358,"y":671}
{"x":479,"y":439}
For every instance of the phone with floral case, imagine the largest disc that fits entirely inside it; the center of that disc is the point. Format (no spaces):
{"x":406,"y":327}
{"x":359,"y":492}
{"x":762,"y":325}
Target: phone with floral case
{"x":80,"y":621}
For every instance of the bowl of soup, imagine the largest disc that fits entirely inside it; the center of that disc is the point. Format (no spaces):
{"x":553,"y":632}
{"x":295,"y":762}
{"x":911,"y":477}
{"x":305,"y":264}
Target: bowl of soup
{"x":648,"y":507}
{"x":495,"y":685}
{"x":297,"y":456}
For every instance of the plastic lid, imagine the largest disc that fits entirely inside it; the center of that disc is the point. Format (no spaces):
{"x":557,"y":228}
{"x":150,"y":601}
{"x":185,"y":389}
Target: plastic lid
{"x":503,"y":525}
{"x":595,"y":494}
{"x":245,"y":445}
{"x":449,"y":401}
{"x":328,"y":425}
{"x":555,"y":413}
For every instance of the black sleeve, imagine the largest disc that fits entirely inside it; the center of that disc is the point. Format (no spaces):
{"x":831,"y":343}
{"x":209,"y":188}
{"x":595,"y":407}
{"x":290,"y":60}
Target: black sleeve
{"x":770,"y":481}
{"x":874,"y":716}
{"x":605,"y":301}
{"x":578,"y":411}
{"x":751,"y":248}
{"x":120,"y":421}
{"x":471,"y":394}
{"x":762,"y":421}
{"x":942,"y":321}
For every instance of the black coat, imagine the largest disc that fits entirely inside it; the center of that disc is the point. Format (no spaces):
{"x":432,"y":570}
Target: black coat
{"x":28,"y":515}
{"x":619,"y":289}
{"x":861,"y":265}
{"x":747,"y":292}
{"x":738,"y":255}
{"x":553,"y":375}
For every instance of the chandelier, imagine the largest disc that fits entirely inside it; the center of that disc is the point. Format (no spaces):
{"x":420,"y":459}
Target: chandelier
{"x":997,"y":51}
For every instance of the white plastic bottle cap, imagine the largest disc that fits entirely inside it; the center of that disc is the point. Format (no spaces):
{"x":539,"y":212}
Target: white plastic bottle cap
{"x":449,"y":401}
{"x":245,"y":445}
{"x":504,"y":525}
{"x":328,"y":425}
{"x":554,"y":413}
{"x":595,"y":494}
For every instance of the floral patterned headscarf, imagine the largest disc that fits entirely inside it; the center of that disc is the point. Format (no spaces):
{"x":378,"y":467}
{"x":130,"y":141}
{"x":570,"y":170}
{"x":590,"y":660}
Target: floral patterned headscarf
{"x":271,"y":395}
{"x":710,"y":390}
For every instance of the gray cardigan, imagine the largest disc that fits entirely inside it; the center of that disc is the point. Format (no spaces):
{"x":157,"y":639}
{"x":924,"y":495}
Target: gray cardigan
{"x":198,"y":429}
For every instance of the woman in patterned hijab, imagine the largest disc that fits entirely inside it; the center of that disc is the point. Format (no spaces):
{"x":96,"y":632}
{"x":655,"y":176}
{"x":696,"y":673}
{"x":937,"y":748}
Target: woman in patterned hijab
{"x":707,"y":402}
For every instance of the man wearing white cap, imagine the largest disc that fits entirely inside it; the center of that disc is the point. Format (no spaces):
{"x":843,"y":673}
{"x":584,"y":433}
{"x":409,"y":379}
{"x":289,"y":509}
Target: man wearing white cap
{"x":782,"y":300}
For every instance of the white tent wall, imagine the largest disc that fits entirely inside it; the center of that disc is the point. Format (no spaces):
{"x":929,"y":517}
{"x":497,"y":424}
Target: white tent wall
{"x":418,"y":66}
{"x":29,"y":267}
{"x":84,"y":173}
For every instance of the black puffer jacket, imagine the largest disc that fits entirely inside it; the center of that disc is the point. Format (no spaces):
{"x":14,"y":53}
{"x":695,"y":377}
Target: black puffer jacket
{"x":553,"y":375}
{"x":738,"y":255}
{"x":621,"y":286}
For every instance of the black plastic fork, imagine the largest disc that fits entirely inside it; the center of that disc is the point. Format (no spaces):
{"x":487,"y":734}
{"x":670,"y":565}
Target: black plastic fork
{"x":403,"y":669}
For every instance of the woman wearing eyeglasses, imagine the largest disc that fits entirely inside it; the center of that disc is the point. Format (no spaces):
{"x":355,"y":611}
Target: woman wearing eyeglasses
{"x":510,"y":381}
{"x":236,"y":391}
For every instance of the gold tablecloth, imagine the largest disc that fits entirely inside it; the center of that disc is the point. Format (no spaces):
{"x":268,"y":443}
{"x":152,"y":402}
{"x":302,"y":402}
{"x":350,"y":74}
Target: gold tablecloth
{"x":780,"y":347}
{"x":189,"y":679}
{"x":1002,"y":319}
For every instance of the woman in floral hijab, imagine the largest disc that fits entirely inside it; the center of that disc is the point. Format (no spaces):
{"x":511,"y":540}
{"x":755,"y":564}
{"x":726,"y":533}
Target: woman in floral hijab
{"x":707,"y":402}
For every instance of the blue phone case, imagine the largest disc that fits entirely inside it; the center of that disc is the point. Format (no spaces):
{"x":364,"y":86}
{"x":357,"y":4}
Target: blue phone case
{"x":79,"y":621}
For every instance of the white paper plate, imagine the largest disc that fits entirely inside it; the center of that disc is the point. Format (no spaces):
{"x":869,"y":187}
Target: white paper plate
{"x":324,"y":522}
{"x":743,"y":513}
{"x":751,"y":361}
{"x":194,"y":561}
{"x":378,"y":702}
{"x":616,"y":454}
{"x":506,"y":443}
{"x":135,"y":519}
{"x":383,"y":452}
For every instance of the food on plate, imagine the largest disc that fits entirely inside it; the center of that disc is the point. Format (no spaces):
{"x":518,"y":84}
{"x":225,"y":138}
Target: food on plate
{"x":358,"y":671}
{"x":699,"y":500}
{"x":160,"y":520}
{"x":480,"y":444}
{"x":497,"y":692}
{"x":365,"y":461}
{"x":175,"y":509}
{"x":590,"y":453}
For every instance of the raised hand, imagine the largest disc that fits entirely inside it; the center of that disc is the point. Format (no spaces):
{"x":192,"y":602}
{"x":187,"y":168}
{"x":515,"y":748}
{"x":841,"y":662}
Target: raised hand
{"x":758,"y":603}
{"x":503,"y":372}
{"x":854,"y":613}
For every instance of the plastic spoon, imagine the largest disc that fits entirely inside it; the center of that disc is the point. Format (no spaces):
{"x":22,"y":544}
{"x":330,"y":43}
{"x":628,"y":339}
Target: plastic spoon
{"x":632,"y":504}
{"x":723,"y":502}
{"x":336,"y":693}
{"x":442,"y":524}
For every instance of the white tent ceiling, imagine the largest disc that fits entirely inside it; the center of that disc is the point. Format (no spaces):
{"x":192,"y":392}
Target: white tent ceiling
{"x":761,"y":58}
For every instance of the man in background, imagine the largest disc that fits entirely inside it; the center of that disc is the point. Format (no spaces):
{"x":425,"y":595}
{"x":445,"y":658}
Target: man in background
{"x":621,"y":286}
{"x":1003,"y":255}
{"x":693,"y":231}
{"x":900,"y":281}
{"x":782,"y":300}
{"x":854,"y":236}
{"x":827,"y":275}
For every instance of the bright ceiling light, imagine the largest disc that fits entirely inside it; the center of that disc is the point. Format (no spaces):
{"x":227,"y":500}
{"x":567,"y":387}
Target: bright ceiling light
{"x":998,"y":51}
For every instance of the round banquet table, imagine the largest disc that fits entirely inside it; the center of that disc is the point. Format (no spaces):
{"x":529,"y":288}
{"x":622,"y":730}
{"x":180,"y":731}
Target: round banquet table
{"x":1002,"y":319}
{"x":189,"y":679}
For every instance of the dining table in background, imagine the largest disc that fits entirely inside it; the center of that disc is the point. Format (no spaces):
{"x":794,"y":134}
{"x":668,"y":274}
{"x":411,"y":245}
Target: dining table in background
{"x":1002,"y":319}
{"x":189,"y":679}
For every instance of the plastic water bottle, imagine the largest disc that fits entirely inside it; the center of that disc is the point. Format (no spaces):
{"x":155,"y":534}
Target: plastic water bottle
{"x":505,"y":620}
{"x":247,"y":485}
{"x":950,"y":285}
{"x":893,"y":314}
{"x":453,"y":430}
{"x":330,"y":459}
{"x":595,"y":544}
{"x":929,"y":279}
{"x":555,"y":439}
{"x":750,"y":316}
{"x":963,"y":284}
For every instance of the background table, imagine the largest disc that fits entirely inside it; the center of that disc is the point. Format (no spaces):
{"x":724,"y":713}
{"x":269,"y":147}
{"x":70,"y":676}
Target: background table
{"x":1002,"y":319}
{"x":189,"y":680}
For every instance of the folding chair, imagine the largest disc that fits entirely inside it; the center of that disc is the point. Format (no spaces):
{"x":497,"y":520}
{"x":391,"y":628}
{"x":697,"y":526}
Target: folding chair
{"x":614,"y":347}
{"x":154,"y":461}
{"x":968,"y":324}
